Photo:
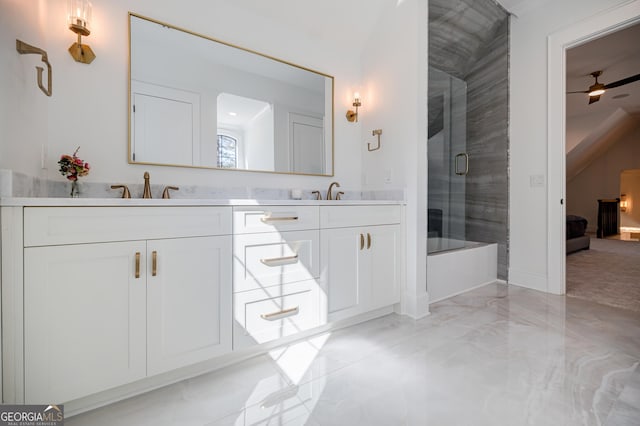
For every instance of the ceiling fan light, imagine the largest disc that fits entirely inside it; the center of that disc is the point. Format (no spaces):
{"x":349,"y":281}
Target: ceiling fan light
{"x":596,"y":90}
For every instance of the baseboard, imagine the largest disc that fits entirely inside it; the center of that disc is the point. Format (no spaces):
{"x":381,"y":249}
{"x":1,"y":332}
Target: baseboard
{"x":528,"y":280}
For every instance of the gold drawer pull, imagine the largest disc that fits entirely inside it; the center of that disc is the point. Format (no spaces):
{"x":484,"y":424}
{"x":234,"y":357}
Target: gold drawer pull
{"x":368,"y":240}
{"x":269,"y":218}
{"x":361,"y":241}
{"x":154,"y":263}
{"x":137,"y":264}
{"x":278,"y":261}
{"x":281,"y":314}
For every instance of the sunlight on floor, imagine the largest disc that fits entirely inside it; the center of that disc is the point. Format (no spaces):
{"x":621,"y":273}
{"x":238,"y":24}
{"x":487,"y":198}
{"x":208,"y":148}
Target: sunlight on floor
{"x":295,"y":359}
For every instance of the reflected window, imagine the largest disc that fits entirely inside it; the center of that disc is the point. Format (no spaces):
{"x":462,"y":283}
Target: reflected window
{"x":227,"y":152}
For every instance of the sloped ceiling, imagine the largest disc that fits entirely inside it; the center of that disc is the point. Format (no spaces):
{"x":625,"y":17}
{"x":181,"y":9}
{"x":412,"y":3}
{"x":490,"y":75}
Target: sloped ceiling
{"x":592,"y":129}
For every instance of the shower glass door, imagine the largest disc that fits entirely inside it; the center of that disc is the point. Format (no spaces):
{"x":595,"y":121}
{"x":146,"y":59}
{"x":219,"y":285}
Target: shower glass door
{"x":448,"y":162}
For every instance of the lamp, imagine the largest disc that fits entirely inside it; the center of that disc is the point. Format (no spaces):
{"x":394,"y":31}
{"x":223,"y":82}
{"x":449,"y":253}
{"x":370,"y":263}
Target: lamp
{"x":79,"y":20}
{"x":623,"y":203}
{"x":351,"y":115}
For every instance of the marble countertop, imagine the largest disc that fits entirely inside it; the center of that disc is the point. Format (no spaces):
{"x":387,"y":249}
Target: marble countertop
{"x":92,"y":202}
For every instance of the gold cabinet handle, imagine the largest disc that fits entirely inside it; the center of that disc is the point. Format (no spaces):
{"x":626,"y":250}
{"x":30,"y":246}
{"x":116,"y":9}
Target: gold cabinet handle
{"x":368,"y":240}
{"x":278,"y":261}
{"x":268,"y":218}
{"x":154,"y":263}
{"x":361,"y":241}
{"x":281,"y":314}
{"x":137,"y":264}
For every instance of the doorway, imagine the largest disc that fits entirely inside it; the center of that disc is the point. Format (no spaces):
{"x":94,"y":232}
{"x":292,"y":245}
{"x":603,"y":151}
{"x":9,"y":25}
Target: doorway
{"x":583,"y":32}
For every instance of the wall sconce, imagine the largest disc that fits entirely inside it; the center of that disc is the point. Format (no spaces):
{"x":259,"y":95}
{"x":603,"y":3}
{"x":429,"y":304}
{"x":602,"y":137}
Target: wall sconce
{"x":79,"y":20}
{"x":351,"y":115}
{"x":623,"y":203}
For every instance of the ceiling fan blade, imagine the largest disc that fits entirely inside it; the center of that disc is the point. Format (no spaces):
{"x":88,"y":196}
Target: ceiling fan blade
{"x":581,"y":91}
{"x":623,"y":82}
{"x":593,"y":99}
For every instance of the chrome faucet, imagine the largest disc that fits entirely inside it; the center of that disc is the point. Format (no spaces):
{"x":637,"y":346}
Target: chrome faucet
{"x":147,"y":187}
{"x":329,"y":192}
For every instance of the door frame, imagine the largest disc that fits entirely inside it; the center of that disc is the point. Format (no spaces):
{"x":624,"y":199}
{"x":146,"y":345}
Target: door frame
{"x":597,"y":26}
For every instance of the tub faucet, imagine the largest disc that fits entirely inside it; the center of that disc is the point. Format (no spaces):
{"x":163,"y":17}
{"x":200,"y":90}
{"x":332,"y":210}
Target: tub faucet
{"x":147,"y":187}
{"x":329,"y":192}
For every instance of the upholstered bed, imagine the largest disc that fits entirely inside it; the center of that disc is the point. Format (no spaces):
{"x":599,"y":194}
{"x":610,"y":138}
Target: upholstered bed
{"x":576,"y":238}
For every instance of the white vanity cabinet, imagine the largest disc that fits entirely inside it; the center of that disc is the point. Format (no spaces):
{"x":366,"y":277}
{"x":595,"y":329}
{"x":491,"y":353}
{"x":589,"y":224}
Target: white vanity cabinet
{"x":276,"y":271}
{"x":102,"y":301}
{"x":84,"y":319}
{"x":360,"y":248}
{"x":106,"y":303}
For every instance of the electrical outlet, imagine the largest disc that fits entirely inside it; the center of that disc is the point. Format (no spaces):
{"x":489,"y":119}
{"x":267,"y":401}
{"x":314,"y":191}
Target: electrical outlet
{"x":388,"y":176}
{"x":43,"y":156}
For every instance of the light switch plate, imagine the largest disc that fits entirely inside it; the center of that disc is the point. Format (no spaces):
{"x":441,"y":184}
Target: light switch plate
{"x":536,"y":181}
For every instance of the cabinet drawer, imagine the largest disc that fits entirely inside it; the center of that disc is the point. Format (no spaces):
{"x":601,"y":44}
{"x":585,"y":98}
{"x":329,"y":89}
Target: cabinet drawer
{"x":262,"y":317}
{"x":263,"y":260}
{"x":74,"y":225}
{"x":346,"y":216}
{"x":274,"y":218}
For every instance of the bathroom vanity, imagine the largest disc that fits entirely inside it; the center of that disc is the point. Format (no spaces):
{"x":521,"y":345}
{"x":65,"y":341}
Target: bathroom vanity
{"x":105,"y":298}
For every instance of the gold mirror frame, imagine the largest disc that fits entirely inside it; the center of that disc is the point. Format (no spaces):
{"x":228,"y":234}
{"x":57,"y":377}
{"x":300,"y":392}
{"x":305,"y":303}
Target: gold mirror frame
{"x":130,"y":160}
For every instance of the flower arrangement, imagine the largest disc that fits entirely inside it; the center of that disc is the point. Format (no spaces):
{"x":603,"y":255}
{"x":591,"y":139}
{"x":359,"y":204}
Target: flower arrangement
{"x":73,"y":167}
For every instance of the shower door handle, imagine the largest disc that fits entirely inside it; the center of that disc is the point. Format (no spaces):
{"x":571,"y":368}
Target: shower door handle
{"x":465,"y":156}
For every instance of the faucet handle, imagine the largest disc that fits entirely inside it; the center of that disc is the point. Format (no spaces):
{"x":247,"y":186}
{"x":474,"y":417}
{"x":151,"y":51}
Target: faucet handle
{"x":165,"y":193}
{"x":339,"y":195}
{"x":318,"y":196}
{"x":125,"y":190}
{"x":146,"y":193}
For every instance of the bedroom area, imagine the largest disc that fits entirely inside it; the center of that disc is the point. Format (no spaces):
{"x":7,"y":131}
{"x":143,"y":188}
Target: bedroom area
{"x":603,"y":170}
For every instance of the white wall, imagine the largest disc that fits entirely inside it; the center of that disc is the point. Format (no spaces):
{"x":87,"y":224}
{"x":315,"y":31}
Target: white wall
{"x":23,"y":107}
{"x":259,"y":144}
{"x":89,"y":102}
{"x":528,"y":132}
{"x":601,"y":178}
{"x":394,"y":99}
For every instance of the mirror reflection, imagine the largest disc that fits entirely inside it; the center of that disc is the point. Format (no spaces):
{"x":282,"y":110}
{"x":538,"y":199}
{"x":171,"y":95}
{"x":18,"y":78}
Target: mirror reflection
{"x":199,"y":102}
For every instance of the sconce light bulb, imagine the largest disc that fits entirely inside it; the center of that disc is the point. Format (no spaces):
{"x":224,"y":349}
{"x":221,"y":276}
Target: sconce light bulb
{"x":356,"y":100}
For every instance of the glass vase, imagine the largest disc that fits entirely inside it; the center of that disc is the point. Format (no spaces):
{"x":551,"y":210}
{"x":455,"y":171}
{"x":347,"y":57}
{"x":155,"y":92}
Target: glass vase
{"x":75,"y":189}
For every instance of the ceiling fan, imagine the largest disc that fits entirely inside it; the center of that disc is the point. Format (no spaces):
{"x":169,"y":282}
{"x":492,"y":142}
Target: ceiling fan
{"x":597,"y":89}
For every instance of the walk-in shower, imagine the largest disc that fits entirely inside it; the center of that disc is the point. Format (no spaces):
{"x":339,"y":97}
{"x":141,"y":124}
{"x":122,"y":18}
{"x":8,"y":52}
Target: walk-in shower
{"x":467,"y":211}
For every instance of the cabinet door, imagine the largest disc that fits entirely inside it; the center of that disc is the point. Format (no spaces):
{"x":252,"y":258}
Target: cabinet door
{"x":84,"y":312}
{"x":383,"y":248}
{"x":188,"y":301}
{"x":341,"y":257}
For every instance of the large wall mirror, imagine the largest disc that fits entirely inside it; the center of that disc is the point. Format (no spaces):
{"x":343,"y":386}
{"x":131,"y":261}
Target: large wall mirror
{"x":200,"y":102}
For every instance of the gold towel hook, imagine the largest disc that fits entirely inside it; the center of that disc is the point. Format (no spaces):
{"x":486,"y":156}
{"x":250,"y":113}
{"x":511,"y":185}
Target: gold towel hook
{"x":25,"y":49}
{"x":376,"y":132}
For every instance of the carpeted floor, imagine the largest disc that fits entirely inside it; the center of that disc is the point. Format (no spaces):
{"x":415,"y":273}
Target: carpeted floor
{"x":607,"y":273}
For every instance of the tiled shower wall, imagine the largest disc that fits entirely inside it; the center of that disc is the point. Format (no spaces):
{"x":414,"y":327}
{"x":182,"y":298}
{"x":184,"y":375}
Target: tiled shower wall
{"x":469,"y":39}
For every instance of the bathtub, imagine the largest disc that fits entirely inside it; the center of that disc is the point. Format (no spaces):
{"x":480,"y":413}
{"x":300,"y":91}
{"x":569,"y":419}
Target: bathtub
{"x":457,"y":270}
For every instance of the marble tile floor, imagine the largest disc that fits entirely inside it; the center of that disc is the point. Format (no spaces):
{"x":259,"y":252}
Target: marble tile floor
{"x":498,"y":355}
